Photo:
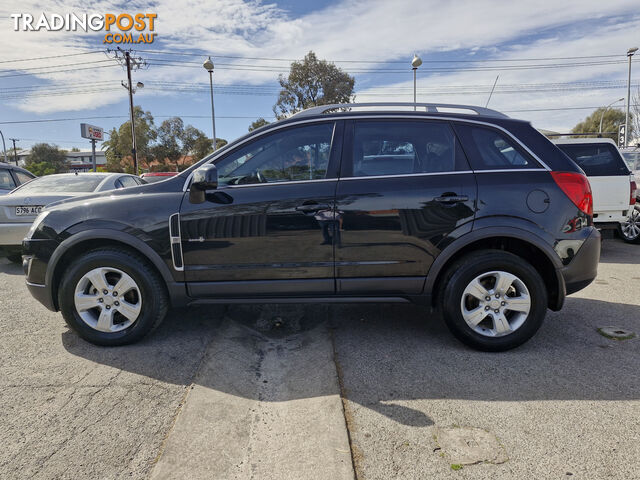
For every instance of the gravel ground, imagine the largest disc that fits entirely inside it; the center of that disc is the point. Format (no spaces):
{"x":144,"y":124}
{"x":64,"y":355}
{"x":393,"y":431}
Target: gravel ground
{"x":417,"y":403}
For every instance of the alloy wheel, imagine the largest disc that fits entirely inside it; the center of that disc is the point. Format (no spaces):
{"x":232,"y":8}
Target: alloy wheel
{"x":495,"y":304}
{"x":107,"y":299}
{"x":631,"y":227}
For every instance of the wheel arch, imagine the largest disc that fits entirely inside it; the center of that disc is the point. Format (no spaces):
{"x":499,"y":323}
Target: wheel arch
{"x":89,"y":240}
{"x":523,"y":243}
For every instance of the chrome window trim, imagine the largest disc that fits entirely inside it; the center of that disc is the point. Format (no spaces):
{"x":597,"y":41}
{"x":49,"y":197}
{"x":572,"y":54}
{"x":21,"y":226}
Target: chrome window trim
{"x":511,"y":170}
{"x":383,"y":116}
{"x":400,"y":175}
{"x":292,"y":182}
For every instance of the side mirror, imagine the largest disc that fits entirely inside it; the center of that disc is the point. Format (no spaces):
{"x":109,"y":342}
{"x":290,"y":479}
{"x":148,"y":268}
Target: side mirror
{"x":205,"y":178}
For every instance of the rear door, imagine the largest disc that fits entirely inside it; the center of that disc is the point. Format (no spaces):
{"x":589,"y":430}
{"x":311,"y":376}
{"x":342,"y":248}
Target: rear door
{"x":405,"y":191}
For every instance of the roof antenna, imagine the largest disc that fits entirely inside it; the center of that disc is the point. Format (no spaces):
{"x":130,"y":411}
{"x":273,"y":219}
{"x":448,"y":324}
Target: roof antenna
{"x":492,"y":89}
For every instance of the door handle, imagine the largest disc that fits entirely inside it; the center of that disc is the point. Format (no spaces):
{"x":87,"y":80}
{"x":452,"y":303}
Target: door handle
{"x":314,"y":207}
{"x":451,"y":199}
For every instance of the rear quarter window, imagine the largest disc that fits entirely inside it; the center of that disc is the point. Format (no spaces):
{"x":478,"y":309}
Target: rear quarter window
{"x":596,"y":159}
{"x":491,"y":149}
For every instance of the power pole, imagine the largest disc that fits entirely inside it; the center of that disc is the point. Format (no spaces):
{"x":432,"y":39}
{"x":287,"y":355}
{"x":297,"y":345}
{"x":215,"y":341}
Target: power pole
{"x":15,"y":152}
{"x":133,"y":128}
{"x":130,"y":63}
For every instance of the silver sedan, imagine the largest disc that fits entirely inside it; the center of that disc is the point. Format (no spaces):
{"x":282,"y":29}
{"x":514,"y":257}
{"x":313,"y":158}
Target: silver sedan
{"x":19,"y":208}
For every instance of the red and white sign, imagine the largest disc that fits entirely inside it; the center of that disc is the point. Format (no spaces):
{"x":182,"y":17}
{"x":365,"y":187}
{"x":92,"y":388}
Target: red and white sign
{"x":91,"y":132}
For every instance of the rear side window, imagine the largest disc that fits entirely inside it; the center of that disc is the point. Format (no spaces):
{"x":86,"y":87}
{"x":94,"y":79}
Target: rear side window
{"x":596,"y":159}
{"x":125,"y":182}
{"x":6,"y":180}
{"x":405,"y":147}
{"x":490,"y":149}
{"x":22,"y":177}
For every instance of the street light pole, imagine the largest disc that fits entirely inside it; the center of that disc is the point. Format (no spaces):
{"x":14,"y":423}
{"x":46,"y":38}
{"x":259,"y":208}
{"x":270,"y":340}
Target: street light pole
{"x":4,"y":147}
{"x":208,"y":65}
{"x":630,"y":53}
{"x":415,"y":63}
{"x":605,"y":111}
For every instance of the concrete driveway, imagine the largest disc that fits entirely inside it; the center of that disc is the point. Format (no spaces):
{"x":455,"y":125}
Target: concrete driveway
{"x":371,"y":391}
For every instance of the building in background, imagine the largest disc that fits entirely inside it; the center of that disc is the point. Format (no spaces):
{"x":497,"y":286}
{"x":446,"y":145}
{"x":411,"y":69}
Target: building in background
{"x":79,"y":161}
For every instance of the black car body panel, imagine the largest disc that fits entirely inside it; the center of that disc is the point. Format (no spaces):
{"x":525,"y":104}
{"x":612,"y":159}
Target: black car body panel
{"x":390,"y":235}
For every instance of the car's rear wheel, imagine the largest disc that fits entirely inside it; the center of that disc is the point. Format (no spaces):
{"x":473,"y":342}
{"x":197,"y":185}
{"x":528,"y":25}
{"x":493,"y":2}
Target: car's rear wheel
{"x":112,"y":296}
{"x":629,"y":230}
{"x":493,"y":300}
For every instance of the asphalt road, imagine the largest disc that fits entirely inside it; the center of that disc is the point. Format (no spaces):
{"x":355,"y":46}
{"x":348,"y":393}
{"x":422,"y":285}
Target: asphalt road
{"x":324,"y":392}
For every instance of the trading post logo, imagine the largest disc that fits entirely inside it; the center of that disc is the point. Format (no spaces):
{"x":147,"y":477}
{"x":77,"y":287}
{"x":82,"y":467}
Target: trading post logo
{"x":131,"y":28}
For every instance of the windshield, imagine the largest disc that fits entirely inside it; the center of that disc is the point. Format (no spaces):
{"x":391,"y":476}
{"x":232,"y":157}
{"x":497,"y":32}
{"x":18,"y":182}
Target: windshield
{"x":62,"y":183}
{"x":596,"y":159}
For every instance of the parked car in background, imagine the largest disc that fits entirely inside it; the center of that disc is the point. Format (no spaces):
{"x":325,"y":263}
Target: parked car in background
{"x":630,"y":228}
{"x":612,"y":182}
{"x":12,"y":176}
{"x":455,"y":207}
{"x":153,"y":177}
{"x":20,"y":207}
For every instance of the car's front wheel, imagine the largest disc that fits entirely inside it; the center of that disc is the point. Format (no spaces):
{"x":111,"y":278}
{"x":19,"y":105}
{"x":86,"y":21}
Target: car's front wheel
{"x":493,"y":300}
{"x":629,"y":230}
{"x":111,"y":296}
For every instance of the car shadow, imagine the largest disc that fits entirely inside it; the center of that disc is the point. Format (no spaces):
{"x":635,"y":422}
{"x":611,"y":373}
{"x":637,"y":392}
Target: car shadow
{"x":384,"y":354}
{"x":10,"y":268}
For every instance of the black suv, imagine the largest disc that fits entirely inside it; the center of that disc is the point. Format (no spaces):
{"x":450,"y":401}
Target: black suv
{"x":455,"y":207}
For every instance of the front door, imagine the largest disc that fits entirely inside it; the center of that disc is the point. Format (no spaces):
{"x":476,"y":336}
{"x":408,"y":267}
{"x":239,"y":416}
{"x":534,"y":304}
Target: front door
{"x":261,"y":231}
{"x":405,"y":191}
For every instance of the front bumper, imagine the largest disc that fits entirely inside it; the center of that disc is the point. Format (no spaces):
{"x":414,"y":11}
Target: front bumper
{"x":43,"y":294}
{"x":583,"y":268}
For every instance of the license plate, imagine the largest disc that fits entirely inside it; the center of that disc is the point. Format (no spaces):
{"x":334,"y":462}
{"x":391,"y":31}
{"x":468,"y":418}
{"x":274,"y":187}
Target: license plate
{"x":28,"y":210}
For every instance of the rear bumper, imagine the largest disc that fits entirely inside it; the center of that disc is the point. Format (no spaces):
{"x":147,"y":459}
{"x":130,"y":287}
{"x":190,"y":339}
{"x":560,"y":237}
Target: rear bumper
{"x":583,"y":268}
{"x":609,"y":217}
{"x":11,"y":234}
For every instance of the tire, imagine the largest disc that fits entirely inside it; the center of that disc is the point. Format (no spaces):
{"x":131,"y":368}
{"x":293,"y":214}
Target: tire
{"x":476,"y":276}
{"x":629,"y":231}
{"x":114,"y":318}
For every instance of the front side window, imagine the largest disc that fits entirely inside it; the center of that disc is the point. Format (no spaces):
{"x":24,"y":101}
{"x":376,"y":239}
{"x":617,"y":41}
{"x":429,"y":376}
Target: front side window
{"x":490,"y":149}
{"x":294,"y":154}
{"x":405,"y":147}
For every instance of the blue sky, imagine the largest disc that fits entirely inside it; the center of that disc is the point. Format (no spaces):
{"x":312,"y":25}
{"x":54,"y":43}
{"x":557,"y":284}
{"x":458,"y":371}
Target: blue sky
{"x":464,"y":45}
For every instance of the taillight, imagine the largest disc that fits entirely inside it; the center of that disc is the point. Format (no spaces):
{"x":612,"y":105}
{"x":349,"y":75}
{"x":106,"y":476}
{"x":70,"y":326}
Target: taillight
{"x":577,"y":188}
{"x":632,"y":199}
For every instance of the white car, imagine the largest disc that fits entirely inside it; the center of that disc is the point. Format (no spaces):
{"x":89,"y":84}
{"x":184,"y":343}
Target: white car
{"x":612,"y":184}
{"x":19,"y":208}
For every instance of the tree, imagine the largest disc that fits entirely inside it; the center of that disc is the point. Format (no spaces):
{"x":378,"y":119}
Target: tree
{"x":312,"y":82}
{"x":260,"y":122}
{"x":46,"y":159}
{"x":118,"y":146}
{"x":611,"y":120}
{"x":181,"y":146}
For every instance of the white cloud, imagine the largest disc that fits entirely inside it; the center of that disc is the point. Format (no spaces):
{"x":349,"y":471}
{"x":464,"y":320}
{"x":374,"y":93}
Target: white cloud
{"x":353,"y":29}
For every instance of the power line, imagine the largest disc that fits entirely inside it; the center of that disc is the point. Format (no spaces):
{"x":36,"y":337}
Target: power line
{"x":59,"y":71}
{"x":173,"y":52}
{"x":93,"y":62}
{"x":51,"y":56}
{"x":270,"y":115}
